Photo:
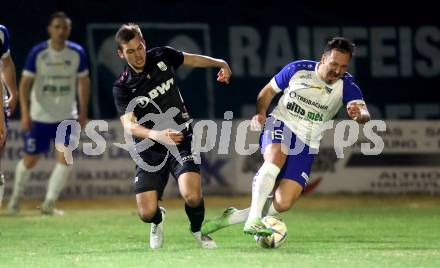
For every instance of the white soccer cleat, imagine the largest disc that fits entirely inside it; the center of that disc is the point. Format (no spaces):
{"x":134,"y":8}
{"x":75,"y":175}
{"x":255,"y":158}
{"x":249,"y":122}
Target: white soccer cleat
{"x":156,"y":232}
{"x":48,"y":208}
{"x":205,"y":241}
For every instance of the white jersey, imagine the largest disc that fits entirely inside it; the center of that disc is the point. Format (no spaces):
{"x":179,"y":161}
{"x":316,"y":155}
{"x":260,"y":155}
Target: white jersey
{"x":55,"y":73}
{"x":308,"y":102}
{"x":4,"y":53}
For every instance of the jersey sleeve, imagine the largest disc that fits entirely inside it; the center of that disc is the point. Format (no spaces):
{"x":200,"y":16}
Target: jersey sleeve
{"x":281,"y":80}
{"x":4,"y":42}
{"x":83,"y":67}
{"x":351,"y":93}
{"x":30,"y":66}
{"x":122,"y":98}
{"x":174,"y":57}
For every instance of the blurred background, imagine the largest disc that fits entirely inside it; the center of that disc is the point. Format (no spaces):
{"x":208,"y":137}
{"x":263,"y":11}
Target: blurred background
{"x":397,"y":66}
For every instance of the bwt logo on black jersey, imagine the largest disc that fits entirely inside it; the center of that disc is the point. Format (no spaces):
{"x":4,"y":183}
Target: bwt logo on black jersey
{"x":154,"y":93}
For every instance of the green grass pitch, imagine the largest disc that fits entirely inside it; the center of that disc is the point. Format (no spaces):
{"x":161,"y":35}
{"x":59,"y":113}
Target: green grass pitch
{"x":351,"y":235}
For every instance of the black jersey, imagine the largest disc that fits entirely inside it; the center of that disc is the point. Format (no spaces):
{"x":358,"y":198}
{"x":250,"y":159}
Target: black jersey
{"x":155,"y":87}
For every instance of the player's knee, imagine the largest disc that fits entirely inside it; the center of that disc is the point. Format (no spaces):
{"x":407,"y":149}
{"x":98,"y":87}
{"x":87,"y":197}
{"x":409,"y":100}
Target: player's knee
{"x":283,"y":204}
{"x":30,"y":161}
{"x":192,"y":200}
{"x":146,"y":215}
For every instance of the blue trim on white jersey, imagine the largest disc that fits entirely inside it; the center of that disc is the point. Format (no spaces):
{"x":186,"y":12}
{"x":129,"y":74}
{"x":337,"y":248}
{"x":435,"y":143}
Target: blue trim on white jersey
{"x":83,"y":63}
{"x":4,"y":40}
{"x":350,"y":90}
{"x":30,"y":64}
{"x":283,"y":77}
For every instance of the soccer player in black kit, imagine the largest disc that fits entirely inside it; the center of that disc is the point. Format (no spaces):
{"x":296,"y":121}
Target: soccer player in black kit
{"x":147,"y":89}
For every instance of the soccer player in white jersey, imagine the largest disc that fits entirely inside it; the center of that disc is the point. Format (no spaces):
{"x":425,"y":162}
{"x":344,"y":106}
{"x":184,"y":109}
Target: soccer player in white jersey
{"x":313,"y":92}
{"x":55,"y":69}
{"x":7,"y":85}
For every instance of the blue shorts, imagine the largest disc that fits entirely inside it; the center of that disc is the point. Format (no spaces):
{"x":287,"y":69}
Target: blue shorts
{"x":38,"y":139}
{"x":300,"y":158}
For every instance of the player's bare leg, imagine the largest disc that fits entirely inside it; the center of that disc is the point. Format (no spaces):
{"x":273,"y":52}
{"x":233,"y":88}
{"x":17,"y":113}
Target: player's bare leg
{"x":56,"y":183}
{"x":275,"y":155}
{"x":22,"y":175}
{"x":191,"y":191}
{"x":149,"y":212}
{"x":286,"y":194}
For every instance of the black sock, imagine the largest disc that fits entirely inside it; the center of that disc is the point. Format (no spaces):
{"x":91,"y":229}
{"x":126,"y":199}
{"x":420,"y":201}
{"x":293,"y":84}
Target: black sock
{"x":157,"y":217}
{"x":196,"y":216}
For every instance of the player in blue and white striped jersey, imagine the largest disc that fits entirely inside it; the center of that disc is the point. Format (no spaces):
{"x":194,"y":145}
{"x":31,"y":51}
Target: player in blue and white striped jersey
{"x":54,"y":72}
{"x":7,"y":85}
{"x":313,"y":92}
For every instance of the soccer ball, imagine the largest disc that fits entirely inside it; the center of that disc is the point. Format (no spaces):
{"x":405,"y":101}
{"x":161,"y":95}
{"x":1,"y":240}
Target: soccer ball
{"x":279,"y":235}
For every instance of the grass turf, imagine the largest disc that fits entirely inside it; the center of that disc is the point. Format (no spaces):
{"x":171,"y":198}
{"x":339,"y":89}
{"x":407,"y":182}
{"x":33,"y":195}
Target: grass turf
{"x":353,"y":235}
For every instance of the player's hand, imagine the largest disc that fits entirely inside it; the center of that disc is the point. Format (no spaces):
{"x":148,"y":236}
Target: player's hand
{"x":12,"y":103}
{"x":167,"y":136}
{"x":354,"y":111}
{"x":257,"y":122}
{"x":26,"y":121}
{"x":224,"y":75}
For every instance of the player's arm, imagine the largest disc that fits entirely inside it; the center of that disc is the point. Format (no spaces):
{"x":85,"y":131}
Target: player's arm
{"x":167,"y":136}
{"x":358,"y":112}
{"x":264,"y":99}
{"x":24,"y":90}
{"x":83,"y":96}
{"x":9,"y":76}
{"x":202,"y":61}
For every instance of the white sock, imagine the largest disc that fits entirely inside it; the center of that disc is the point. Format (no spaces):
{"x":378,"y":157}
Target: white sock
{"x":263,"y":184}
{"x":22,"y":175}
{"x":269,"y":209}
{"x":57,"y":180}
{"x":2,"y":187}
{"x":241,"y":216}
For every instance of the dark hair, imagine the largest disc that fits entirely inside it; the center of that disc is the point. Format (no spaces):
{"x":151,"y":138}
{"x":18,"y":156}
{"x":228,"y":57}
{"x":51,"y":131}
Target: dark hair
{"x":127,"y":32}
{"x":341,"y":44}
{"x":58,"y":15}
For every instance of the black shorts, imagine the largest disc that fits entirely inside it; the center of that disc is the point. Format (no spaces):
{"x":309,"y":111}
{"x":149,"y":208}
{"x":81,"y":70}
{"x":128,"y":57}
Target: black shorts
{"x":147,"y":181}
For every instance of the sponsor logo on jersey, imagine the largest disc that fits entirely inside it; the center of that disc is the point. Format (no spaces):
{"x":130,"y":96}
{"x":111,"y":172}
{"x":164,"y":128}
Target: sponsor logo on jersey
{"x":306,"y":76}
{"x":154,"y":93}
{"x":328,"y":89}
{"x":292,"y":106}
{"x":162,"y":66}
{"x":294,"y":95}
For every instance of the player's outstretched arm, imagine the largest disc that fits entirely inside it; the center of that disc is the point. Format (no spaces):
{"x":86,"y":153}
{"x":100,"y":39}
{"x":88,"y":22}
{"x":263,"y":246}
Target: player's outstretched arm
{"x":358,"y":112}
{"x":194,"y":60}
{"x":9,"y":76}
{"x":264,"y":99}
{"x":167,"y":136}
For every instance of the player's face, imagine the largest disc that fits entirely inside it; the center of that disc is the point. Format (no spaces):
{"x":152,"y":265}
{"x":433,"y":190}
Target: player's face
{"x":134,"y":53}
{"x":334,"y":64}
{"x":59,"y":29}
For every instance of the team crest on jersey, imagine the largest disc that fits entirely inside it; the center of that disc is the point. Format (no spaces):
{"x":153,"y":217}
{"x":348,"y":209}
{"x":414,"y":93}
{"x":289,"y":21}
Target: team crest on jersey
{"x":328,"y":89}
{"x":162,"y":66}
